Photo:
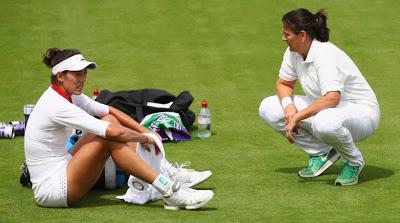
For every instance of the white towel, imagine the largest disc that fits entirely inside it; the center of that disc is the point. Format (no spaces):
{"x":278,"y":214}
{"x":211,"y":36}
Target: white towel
{"x":140,"y":192}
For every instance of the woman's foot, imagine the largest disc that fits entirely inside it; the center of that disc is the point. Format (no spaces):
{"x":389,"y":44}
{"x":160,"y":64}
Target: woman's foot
{"x":187,"y":177}
{"x":349,"y":175}
{"x":188,"y":198}
{"x":318,"y":164}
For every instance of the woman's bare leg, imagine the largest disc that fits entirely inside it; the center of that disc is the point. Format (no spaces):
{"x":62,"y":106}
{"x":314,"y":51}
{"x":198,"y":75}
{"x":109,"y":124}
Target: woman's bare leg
{"x":89,"y":157}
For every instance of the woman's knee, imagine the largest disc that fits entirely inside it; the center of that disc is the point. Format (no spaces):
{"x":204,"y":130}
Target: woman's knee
{"x":270,"y":110}
{"x":326,"y":127}
{"x":92,"y":140}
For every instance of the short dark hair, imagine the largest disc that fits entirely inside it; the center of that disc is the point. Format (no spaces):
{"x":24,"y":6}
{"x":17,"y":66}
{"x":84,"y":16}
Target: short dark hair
{"x":54,"y":56}
{"x":313,"y":24}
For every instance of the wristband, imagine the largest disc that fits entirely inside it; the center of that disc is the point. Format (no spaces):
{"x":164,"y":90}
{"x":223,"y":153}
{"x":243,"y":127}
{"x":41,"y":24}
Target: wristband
{"x":286,"y":101}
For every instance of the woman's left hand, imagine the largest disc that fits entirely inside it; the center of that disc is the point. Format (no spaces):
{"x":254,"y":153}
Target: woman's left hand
{"x":292,"y":126}
{"x":147,"y":144}
{"x":156,"y":133}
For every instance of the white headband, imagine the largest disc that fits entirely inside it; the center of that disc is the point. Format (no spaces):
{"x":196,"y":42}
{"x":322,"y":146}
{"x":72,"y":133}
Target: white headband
{"x":75,"y":63}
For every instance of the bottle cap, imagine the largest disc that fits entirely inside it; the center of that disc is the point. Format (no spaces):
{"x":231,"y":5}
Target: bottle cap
{"x":28,"y":109}
{"x":204,"y":104}
{"x":96,"y":92}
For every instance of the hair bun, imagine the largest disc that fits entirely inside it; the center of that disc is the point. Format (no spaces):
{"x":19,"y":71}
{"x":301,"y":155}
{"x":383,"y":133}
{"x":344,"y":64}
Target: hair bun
{"x":322,"y":31}
{"x":50,"y":55}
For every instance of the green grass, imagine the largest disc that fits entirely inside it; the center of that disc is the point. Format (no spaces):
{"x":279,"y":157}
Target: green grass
{"x":229,"y":53}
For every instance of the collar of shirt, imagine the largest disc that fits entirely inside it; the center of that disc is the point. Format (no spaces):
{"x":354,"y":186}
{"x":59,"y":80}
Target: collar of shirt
{"x":310,"y":55}
{"x":61,"y":92}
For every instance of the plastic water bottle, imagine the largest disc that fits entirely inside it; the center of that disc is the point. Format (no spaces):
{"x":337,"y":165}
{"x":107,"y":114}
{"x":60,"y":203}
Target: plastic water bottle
{"x":204,"y":121}
{"x":27,"y":112}
{"x":95,"y":93}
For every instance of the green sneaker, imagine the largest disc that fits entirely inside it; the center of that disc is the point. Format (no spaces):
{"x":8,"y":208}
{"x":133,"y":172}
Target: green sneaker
{"x":349,"y":175}
{"x":318,"y":164}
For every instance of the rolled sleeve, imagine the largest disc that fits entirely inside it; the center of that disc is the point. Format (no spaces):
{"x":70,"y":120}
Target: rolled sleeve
{"x":329,"y":76}
{"x":90,"y":106}
{"x":98,"y":109}
{"x":78,"y":119}
{"x":332,"y":86}
{"x":287,"y":71}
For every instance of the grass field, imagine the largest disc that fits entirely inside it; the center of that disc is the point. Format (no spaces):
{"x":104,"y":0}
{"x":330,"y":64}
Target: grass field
{"x":229,"y":53}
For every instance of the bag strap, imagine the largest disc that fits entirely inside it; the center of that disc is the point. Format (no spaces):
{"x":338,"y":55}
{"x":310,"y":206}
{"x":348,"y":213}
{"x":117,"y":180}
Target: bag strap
{"x":25,"y":178}
{"x":139,"y":113}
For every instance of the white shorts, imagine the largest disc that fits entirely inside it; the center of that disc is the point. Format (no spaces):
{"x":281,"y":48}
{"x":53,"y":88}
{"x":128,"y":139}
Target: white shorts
{"x":52,"y":191}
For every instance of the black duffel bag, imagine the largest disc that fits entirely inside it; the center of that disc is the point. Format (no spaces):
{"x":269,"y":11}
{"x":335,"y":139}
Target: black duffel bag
{"x":139,"y":103}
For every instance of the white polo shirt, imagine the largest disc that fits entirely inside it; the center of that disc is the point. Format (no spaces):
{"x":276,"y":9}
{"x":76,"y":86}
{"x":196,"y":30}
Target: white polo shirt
{"x":327,"y":68}
{"x":50,"y":126}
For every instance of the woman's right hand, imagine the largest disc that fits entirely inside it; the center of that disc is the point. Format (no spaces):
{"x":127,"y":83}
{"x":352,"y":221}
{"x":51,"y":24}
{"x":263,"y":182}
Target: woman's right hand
{"x":290,"y":111}
{"x":149,"y":141}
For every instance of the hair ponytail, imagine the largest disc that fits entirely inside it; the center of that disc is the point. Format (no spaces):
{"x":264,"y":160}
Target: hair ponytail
{"x":54,"y":56}
{"x":322,"y":31}
{"x":49,"y":56}
{"x":302,"y":19}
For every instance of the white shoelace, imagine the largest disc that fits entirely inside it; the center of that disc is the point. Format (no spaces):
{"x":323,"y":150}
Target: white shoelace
{"x":183,"y":165}
{"x":183,"y":174}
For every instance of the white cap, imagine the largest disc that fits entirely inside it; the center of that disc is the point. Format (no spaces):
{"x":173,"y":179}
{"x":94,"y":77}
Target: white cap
{"x":75,"y":63}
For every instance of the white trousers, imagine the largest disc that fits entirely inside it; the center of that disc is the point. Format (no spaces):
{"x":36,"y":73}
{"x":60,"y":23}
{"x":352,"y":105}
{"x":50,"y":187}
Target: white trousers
{"x":337,"y":127}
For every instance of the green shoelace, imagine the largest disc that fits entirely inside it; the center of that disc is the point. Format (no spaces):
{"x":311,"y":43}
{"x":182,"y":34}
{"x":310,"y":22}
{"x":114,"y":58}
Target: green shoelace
{"x":349,"y":171}
{"x":314,"y":162}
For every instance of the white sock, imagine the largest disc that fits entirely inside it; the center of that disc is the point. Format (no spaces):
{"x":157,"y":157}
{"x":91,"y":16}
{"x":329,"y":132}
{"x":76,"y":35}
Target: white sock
{"x":163,"y":185}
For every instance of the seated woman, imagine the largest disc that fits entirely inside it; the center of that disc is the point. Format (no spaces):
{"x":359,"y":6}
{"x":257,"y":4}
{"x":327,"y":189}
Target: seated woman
{"x":59,"y":179}
{"x":155,"y":159}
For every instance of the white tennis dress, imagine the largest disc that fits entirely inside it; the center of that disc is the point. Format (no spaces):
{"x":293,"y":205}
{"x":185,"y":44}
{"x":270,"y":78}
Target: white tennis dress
{"x":48,"y":129}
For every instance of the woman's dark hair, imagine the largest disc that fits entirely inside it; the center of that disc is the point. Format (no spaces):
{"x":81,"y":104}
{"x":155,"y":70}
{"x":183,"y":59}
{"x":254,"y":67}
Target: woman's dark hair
{"x":54,"y":56}
{"x":314,"y":25}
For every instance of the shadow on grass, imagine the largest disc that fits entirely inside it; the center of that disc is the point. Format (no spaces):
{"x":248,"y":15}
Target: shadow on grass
{"x":293,"y":170}
{"x":369,"y":173}
{"x":194,"y":129}
{"x":204,"y":188}
{"x":95,"y":200}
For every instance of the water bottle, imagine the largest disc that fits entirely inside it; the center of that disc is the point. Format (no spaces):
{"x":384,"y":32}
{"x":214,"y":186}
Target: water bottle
{"x":27,"y":112}
{"x":95,"y":93}
{"x":204,"y":121}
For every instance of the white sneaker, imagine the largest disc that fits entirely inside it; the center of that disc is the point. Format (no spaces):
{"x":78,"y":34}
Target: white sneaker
{"x":187,"y":177}
{"x":188,"y":198}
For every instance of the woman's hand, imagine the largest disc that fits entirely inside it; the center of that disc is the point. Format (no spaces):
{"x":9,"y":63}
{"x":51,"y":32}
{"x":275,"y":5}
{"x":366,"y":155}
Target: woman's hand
{"x":291,"y":121}
{"x":290,"y":111}
{"x":149,"y":141}
{"x":156,"y":133}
